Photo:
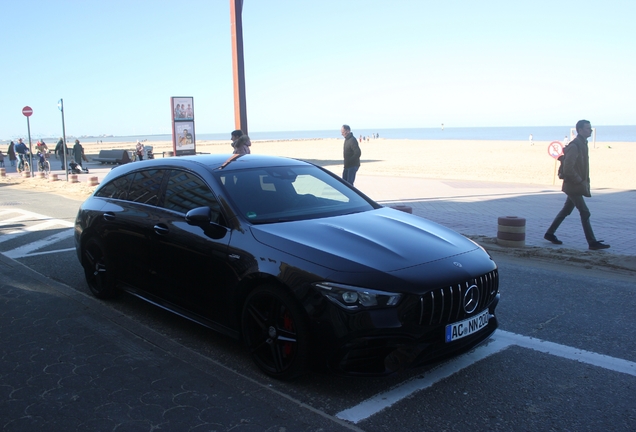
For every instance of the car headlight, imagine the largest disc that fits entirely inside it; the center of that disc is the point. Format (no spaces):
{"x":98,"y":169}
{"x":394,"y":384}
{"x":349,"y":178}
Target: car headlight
{"x":355,"y":298}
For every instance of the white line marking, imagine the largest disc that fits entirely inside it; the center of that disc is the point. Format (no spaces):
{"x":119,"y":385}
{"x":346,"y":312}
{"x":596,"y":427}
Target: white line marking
{"x":500,"y":341}
{"x":591,"y":358}
{"x":27,"y":216}
{"x":48,"y":252}
{"x":25,"y":250}
{"x":384,"y":400}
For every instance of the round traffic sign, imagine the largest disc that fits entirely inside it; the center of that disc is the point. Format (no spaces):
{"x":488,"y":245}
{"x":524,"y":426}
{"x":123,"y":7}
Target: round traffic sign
{"x":27,"y":111}
{"x":555,"y":149}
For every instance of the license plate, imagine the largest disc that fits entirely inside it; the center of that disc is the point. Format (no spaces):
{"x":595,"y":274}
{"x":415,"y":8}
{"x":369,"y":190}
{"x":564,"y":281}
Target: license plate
{"x":467,"y":327}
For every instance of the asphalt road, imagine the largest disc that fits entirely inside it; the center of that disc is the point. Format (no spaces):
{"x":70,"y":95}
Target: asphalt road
{"x":563,"y":359}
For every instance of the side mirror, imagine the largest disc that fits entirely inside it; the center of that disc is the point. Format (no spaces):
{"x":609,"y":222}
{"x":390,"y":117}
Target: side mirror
{"x":205,"y":218}
{"x":199,"y":216}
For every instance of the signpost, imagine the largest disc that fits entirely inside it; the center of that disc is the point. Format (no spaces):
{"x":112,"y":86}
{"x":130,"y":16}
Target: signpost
{"x":555,"y":150}
{"x":60,"y":106}
{"x":27,"y":112}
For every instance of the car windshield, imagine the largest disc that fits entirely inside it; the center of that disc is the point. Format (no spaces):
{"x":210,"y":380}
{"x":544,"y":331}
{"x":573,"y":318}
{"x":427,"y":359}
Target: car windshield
{"x":275,"y":194}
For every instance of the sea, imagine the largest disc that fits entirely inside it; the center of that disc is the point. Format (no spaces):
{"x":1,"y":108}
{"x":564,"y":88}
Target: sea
{"x":517,"y":133}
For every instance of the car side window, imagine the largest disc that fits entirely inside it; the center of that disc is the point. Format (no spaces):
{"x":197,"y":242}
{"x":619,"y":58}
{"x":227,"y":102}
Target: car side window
{"x":146,"y":186}
{"x":186,"y":191}
{"x":117,"y":188}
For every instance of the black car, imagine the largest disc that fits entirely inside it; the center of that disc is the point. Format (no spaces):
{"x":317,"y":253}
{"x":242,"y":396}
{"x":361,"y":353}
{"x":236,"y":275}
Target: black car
{"x":283,"y":254}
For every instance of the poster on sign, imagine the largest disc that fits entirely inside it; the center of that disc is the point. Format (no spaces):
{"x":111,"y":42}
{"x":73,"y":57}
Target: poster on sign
{"x":183,"y":137}
{"x":182,"y":108}
{"x":184,"y":132}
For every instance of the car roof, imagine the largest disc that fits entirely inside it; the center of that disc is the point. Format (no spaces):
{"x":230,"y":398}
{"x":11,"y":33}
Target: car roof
{"x":212,"y":162}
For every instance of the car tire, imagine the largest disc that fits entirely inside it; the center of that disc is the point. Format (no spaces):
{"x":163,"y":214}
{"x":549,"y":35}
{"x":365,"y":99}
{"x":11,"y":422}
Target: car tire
{"x":98,"y":270}
{"x":275,"y":332}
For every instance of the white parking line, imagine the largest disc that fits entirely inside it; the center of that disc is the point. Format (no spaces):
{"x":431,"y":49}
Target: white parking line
{"x":500,"y":341}
{"x":44,"y":223}
{"x":591,"y":358}
{"x":25,"y":250}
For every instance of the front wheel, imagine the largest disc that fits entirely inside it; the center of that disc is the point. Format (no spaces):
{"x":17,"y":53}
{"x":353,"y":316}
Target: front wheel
{"x":275,"y":332}
{"x":98,"y":270}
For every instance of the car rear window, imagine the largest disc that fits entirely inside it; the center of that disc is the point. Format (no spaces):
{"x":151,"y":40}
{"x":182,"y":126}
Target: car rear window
{"x":146,"y":186}
{"x":186,"y":191}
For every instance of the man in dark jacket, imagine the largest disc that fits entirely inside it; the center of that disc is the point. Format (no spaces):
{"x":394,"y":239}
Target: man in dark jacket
{"x":60,"y":151}
{"x":576,"y":185}
{"x":22,"y":151}
{"x":351,"y":153}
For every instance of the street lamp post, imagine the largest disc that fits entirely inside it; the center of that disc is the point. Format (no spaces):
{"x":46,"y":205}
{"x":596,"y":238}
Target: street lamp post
{"x":60,"y":105}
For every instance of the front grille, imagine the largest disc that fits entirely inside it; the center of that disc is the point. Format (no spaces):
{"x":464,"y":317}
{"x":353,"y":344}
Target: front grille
{"x":446,"y":305}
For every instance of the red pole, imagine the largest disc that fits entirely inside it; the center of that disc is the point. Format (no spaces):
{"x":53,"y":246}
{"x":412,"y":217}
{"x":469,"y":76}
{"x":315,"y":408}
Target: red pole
{"x":238,"y":65}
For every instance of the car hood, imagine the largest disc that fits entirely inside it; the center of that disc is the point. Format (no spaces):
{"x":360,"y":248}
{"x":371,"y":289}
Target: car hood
{"x":385,"y":240}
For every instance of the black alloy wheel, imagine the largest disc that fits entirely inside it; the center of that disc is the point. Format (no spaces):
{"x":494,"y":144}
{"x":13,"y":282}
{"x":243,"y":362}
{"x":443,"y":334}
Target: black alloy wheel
{"x":275,"y":333}
{"x":98,"y":270}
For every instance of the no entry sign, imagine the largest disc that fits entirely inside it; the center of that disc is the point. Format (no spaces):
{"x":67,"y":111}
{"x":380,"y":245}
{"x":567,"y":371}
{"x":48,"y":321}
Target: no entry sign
{"x":27,"y":111}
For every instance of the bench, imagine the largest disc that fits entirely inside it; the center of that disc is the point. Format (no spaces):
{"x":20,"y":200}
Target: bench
{"x":118,"y":157}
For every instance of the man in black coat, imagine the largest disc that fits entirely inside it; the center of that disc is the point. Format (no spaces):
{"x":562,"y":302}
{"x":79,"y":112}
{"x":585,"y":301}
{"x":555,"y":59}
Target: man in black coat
{"x":576,"y":185}
{"x":351,"y":154}
{"x":60,"y":151}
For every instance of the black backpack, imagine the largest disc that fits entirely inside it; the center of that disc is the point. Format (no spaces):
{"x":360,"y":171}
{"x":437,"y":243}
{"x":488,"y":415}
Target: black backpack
{"x":560,"y":171}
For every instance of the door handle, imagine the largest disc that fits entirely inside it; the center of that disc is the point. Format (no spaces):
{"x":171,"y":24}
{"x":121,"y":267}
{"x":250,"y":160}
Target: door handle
{"x":161,"y":229}
{"x":109,"y":216}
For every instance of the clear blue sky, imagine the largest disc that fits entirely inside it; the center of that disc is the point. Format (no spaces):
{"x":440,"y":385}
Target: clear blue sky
{"x":316,"y":64}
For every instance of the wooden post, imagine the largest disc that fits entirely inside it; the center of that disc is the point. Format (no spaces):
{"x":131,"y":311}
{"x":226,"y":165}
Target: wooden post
{"x":238,"y":65}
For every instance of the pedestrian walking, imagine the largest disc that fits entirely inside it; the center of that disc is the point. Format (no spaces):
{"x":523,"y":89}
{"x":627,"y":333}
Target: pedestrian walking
{"x":351,"y":155}
{"x":78,"y":152}
{"x":11,"y":153}
{"x":140,"y":151}
{"x":60,"y":150}
{"x":240,"y":142}
{"x":576,"y":185}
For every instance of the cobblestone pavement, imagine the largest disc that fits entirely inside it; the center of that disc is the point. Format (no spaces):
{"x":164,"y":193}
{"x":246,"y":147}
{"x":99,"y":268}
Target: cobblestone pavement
{"x":68,"y":362}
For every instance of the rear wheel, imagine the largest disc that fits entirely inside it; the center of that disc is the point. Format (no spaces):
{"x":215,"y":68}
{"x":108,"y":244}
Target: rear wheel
{"x":98,"y":270}
{"x":275,"y":332}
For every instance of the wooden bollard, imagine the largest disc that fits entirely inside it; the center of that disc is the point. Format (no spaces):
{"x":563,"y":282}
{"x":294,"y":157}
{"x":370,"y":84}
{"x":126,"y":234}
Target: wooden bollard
{"x":92,"y":181}
{"x":26,"y":174}
{"x":41,"y":174}
{"x":53,"y":177}
{"x":73,"y":178}
{"x":511,"y":231}
{"x":3,"y":172}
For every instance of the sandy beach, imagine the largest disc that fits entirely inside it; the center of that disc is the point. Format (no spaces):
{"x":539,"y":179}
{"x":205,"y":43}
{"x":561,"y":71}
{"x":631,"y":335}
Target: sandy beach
{"x":611,"y":164}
